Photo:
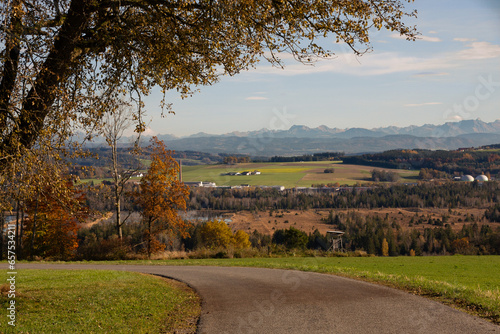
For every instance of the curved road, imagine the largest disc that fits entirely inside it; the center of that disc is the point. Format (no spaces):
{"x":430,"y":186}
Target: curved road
{"x":254,"y":300}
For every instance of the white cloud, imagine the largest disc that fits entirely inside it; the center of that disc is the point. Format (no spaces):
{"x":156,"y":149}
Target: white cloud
{"x":455,"y":118}
{"x":422,"y":104}
{"x":372,"y":64}
{"x":429,"y":39}
{"x":422,"y":38}
{"x":480,"y":50}
{"x":430,"y":74}
{"x":256,"y":98}
{"x":369,"y":64}
{"x":460,"y":39}
{"x":149,"y":132}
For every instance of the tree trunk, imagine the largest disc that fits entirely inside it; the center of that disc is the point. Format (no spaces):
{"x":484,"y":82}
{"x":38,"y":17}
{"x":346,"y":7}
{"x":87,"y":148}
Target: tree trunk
{"x":33,"y":230}
{"x":2,"y":223}
{"x":20,"y":245}
{"x":117,"y":188}
{"x":11,"y":62}
{"x":53,"y":72}
{"x":17,"y":224}
{"x":149,"y":237}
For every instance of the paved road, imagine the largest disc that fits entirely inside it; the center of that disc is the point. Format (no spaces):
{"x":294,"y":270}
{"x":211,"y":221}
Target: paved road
{"x":254,"y":300}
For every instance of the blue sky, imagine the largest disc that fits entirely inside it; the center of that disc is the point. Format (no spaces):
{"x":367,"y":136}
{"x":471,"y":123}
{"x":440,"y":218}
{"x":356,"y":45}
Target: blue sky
{"x":451,"y":73}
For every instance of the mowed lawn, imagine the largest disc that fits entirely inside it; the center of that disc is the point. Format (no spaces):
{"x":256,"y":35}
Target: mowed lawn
{"x":98,"y":301}
{"x":288,"y":174}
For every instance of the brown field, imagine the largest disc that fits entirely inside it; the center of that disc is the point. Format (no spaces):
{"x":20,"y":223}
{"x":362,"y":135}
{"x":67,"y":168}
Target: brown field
{"x":310,"y":220}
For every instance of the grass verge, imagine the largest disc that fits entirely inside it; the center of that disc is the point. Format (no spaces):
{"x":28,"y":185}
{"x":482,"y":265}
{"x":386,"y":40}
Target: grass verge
{"x":470,"y":283}
{"x":97,"y":301}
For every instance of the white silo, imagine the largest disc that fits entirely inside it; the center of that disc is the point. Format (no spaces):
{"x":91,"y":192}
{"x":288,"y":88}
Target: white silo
{"x":467,"y":178}
{"x":482,"y":178}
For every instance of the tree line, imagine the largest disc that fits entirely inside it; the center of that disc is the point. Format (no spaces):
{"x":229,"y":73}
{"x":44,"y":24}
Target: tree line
{"x":324,"y":156}
{"x":456,"y":163}
{"x":424,"y":195}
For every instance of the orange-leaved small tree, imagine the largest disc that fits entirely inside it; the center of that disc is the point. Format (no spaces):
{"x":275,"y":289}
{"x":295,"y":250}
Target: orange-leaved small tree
{"x":161,"y":196}
{"x":54,"y":217}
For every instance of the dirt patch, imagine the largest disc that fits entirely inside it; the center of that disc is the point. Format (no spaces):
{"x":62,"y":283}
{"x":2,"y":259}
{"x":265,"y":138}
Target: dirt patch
{"x":307,"y":221}
{"x":91,"y":223}
{"x":267,"y":222}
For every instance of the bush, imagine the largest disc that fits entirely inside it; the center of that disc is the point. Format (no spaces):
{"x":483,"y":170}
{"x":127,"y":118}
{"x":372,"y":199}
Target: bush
{"x":104,"y":249}
{"x":384,"y":176}
{"x":216,"y":234}
{"x":291,"y":238}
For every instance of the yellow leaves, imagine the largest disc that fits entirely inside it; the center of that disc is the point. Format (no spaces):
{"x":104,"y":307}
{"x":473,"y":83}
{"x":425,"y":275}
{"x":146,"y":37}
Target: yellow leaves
{"x":217,"y":234}
{"x":241,"y":239}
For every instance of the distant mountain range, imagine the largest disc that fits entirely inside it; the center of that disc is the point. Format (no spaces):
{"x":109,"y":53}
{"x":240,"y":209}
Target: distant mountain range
{"x":450,"y":129}
{"x":300,"y":139}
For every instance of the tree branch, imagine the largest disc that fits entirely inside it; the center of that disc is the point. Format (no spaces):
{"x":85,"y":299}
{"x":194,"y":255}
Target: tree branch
{"x":54,"y":71}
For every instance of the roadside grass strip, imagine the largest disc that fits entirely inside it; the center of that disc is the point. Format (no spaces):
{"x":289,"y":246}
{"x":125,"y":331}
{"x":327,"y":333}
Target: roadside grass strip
{"x":98,"y":301}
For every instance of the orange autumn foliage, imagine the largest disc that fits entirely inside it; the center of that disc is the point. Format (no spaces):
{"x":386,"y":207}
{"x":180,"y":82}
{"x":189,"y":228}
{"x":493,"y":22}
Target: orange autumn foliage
{"x":54,"y":217}
{"x":161,"y":196}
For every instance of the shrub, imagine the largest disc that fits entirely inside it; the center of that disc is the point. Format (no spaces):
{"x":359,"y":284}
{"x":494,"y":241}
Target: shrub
{"x":216,"y":234}
{"x":291,"y":238}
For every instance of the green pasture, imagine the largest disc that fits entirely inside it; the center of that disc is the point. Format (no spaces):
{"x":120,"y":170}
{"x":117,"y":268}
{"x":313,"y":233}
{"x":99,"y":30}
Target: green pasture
{"x":288,"y":174}
{"x":98,"y":301}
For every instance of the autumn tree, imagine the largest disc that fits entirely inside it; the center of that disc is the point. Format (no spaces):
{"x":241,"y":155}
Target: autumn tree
{"x":385,"y":247}
{"x":39,"y":169}
{"x":217,"y":233}
{"x":64,"y":62}
{"x":54,"y":220}
{"x":161,"y":196}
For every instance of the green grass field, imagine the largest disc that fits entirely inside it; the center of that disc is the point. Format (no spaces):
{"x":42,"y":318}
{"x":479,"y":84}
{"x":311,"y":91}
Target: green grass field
{"x":95,"y":301}
{"x":288,"y":174}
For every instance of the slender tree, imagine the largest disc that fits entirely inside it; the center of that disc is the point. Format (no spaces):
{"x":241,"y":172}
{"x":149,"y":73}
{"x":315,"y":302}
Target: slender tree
{"x":116,"y":123}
